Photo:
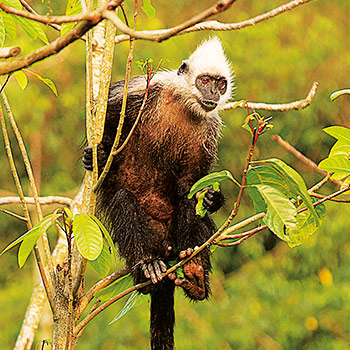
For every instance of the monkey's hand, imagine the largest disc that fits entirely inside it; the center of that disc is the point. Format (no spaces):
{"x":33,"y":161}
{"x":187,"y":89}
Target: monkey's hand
{"x":213,"y":200}
{"x":193,"y":282}
{"x":153,"y":270}
{"x":101,"y":157}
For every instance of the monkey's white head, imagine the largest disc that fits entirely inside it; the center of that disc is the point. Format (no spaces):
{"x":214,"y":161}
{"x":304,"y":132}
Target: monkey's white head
{"x":206,"y":78}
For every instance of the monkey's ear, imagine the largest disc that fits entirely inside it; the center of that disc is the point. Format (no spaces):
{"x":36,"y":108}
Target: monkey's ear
{"x":183,"y":69}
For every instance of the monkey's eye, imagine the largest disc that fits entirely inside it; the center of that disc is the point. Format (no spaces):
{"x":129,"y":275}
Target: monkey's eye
{"x":205,"y":81}
{"x":222,"y":85}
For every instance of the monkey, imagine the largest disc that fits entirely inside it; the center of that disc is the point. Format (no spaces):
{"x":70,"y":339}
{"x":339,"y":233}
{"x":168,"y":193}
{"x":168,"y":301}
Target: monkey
{"x":143,"y":200}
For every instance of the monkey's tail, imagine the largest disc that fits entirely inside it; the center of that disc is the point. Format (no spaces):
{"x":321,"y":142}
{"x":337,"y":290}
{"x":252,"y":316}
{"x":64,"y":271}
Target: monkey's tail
{"x":162,"y":316}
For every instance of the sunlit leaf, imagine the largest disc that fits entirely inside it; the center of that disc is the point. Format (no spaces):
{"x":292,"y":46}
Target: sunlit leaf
{"x":280,"y":214}
{"x":103,"y":263}
{"x":21,"y":78}
{"x":33,"y":29}
{"x":27,"y":246}
{"x":107,"y":236}
{"x":115,"y":288}
{"x":306,"y":225}
{"x":339,"y":165}
{"x":88,"y":236}
{"x":13,"y":3}
{"x":339,"y":132}
{"x":46,"y":81}
{"x":73,"y":8}
{"x":148,"y":9}
{"x":338,"y":93}
{"x":209,"y":180}
{"x":295,"y":181}
{"x":2,"y":30}
{"x":134,"y":300}
{"x":10,"y":25}
{"x":340,"y":149}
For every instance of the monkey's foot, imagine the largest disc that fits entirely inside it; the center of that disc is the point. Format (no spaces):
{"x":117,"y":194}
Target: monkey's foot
{"x":193,"y":282}
{"x":213,"y":200}
{"x":101,"y":157}
{"x":153,"y":270}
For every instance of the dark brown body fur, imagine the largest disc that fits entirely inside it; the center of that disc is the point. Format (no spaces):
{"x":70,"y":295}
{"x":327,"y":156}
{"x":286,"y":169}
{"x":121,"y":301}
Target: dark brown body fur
{"x":144,"y":200}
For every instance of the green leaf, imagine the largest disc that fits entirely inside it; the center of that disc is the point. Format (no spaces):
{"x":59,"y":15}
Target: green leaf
{"x":340,"y":149}
{"x":46,"y":81}
{"x":107,"y":236}
{"x":306,"y":225}
{"x":148,"y":9}
{"x":2,"y":30}
{"x":115,"y":288}
{"x":280,"y":214}
{"x":102,"y":265}
{"x":209,"y":180}
{"x":27,"y":246}
{"x":13,"y":3}
{"x":73,"y":8}
{"x":295,"y":181}
{"x":339,"y":165}
{"x":200,"y":209}
{"x":21,"y":78}
{"x":134,"y":300}
{"x":338,"y":93}
{"x":33,"y":231}
{"x":88,"y":236}
{"x":10,"y":25}
{"x":33,"y":29}
{"x":339,"y":132}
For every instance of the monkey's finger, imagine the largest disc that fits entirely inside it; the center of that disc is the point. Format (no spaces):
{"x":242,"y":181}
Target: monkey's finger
{"x":183,"y":254}
{"x":189,"y":251}
{"x":157,"y":270}
{"x":162,"y":266}
{"x":180,"y":281}
{"x":145,"y":271}
{"x":207,"y":203}
{"x":152,"y":274}
{"x":172,"y":276}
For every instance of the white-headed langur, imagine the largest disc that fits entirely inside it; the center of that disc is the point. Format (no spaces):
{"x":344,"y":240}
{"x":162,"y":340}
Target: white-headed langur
{"x":143,"y":200}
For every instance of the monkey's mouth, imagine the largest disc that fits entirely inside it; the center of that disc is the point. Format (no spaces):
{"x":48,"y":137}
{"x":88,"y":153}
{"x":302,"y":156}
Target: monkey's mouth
{"x":208,"y":105}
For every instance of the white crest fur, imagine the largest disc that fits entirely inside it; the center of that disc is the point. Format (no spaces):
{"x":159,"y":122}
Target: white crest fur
{"x":209,"y":58}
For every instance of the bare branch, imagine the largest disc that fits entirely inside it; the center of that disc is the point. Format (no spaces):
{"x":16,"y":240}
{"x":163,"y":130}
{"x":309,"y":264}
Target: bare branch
{"x":214,"y":25}
{"x":287,"y":146}
{"x":301,"y":104}
{"x":7,"y":52}
{"x":13,"y":214}
{"x":42,"y":200}
{"x":161,"y":35}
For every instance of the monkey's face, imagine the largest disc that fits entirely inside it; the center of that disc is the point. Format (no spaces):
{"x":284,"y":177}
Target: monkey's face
{"x":211,"y":89}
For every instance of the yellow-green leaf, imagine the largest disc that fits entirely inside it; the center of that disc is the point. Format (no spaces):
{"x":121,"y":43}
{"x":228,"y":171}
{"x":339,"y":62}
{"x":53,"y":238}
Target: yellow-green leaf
{"x":21,"y":78}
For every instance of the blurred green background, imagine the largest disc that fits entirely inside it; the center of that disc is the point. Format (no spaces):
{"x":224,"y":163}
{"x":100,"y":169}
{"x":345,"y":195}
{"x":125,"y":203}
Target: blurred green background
{"x":265,"y":295}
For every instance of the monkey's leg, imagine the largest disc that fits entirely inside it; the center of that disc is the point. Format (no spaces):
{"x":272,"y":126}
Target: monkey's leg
{"x":138,"y":244}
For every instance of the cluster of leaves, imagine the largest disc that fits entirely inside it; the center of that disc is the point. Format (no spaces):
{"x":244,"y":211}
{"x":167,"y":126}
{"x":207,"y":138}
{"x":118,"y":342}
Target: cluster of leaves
{"x":92,"y":239}
{"x":279,"y":191}
{"x":337,"y":163}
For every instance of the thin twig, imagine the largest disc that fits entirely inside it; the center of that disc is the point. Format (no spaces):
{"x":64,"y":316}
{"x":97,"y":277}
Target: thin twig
{"x":287,"y":146}
{"x":16,"y":178}
{"x":215,"y":25}
{"x":31,"y":10}
{"x":13,"y":214}
{"x":42,"y":200}
{"x":159,"y":36}
{"x":31,"y":180}
{"x":282,"y":107}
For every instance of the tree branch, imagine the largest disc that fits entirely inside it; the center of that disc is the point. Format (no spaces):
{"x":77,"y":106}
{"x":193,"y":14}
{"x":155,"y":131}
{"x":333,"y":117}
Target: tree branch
{"x":301,"y":104}
{"x":212,"y":25}
{"x":42,"y":200}
{"x":159,"y":36}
